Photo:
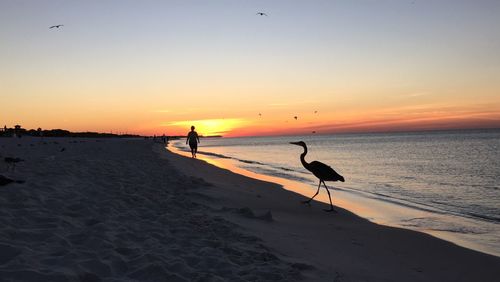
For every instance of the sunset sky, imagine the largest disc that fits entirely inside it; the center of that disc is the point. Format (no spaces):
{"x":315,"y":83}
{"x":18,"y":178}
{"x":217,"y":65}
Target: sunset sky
{"x":155,"y":67}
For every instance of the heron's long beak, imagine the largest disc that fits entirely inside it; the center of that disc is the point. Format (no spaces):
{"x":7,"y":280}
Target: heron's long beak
{"x":295,"y":143}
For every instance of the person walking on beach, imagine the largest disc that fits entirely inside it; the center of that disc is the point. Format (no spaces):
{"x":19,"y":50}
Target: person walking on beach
{"x":193,"y":140}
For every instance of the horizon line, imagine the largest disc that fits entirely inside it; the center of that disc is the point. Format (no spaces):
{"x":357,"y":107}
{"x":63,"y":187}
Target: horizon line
{"x":385,"y":131}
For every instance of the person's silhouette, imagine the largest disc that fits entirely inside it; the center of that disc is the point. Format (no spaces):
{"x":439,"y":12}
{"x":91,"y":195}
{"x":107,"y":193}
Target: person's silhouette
{"x":193,"y":140}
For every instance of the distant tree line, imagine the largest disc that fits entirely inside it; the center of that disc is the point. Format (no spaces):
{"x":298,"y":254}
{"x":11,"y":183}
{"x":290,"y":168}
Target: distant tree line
{"x":18,"y":131}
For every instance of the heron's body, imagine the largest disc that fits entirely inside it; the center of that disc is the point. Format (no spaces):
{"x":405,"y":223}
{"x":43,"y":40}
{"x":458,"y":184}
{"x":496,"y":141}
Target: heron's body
{"x":322,"y":171}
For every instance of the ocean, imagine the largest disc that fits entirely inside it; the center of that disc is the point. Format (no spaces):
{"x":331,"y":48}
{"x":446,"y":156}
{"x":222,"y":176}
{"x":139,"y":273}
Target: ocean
{"x":445,"y":183}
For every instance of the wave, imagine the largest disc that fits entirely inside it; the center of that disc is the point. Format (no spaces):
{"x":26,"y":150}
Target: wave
{"x":485,"y":217}
{"x":250,"y":162}
{"x":214,"y":155}
{"x":437,"y":224}
{"x":418,"y":205}
{"x":258,"y":167}
{"x":271,"y":172}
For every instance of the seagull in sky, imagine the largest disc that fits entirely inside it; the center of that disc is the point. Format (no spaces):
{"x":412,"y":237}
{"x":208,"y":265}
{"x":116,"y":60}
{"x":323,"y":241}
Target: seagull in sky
{"x":56,"y":26}
{"x":261,"y":14}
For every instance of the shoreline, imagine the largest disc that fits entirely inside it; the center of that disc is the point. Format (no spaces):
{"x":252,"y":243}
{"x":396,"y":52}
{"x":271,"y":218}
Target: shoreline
{"x":379,"y":211}
{"x":335,"y":241}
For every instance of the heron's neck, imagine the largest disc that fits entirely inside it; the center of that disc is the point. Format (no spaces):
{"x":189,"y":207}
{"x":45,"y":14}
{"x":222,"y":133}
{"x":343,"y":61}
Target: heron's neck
{"x":303,"y":158}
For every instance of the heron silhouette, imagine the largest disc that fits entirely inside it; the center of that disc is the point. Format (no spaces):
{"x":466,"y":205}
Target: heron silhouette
{"x":322,"y":171}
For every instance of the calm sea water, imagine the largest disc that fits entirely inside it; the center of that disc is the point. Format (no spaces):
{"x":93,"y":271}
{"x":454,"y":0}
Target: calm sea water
{"x":453,"y":176}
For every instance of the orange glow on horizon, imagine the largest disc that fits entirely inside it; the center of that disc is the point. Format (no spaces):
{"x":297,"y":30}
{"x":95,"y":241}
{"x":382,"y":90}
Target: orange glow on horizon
{"x":272,"y":120}
{"x":309,"y":125}
{"x":207,"y":127}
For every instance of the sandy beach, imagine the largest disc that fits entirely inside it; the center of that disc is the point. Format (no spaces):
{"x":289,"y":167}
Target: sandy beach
{"x":129,"y":210}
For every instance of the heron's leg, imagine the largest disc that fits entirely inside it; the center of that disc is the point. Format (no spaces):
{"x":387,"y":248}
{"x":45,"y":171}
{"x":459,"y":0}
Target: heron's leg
{"x":330,"y":198}
{"x":308,"y":201}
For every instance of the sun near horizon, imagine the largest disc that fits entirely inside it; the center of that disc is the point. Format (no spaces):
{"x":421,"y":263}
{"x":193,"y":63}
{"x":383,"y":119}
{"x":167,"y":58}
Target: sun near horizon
{"x":315,"y":67}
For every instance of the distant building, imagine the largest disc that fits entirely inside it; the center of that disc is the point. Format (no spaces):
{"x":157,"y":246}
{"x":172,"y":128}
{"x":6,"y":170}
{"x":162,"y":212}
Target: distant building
{"x":18,"y":130}
{"x":4,"y":132}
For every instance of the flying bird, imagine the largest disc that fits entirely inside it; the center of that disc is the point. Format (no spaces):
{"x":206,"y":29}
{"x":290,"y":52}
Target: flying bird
{"x":315,"y":112}
{"x":56,"y":26}
{"x":261,"y":14}
{"x":322,"y":171}
{"x":295,"y":117}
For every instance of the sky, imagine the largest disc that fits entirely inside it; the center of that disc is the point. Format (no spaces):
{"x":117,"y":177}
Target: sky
{"x":158,"y":67}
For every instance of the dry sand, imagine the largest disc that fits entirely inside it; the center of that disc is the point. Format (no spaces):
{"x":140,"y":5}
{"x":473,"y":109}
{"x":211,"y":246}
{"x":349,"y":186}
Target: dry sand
{"x":128,"y":210}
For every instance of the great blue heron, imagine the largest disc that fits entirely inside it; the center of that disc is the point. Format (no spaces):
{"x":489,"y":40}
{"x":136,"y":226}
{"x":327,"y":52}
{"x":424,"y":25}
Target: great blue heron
{"x":322,"y":171}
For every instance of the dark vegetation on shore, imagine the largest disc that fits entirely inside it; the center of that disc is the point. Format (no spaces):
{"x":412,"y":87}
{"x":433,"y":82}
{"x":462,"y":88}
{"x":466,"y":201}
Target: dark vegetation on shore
{"x":19,"y":131}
